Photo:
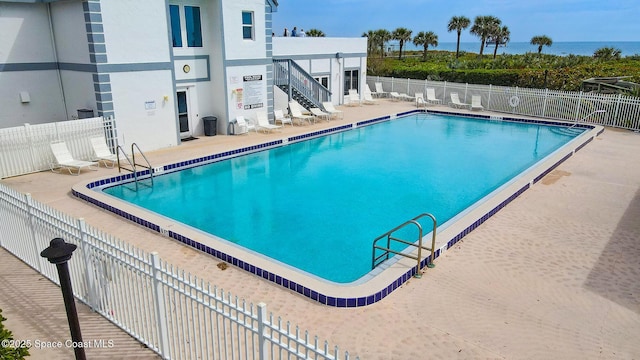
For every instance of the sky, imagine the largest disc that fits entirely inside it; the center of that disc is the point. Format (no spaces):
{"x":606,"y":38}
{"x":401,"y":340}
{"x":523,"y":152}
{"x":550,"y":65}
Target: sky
{"x":561,"y":20}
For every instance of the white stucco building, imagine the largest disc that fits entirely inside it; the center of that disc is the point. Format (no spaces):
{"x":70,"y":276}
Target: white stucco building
{"x":157,"y":67}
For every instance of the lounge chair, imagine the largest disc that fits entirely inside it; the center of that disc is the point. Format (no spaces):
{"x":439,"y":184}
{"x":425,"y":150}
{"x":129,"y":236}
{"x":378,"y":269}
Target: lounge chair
{"x":328,"y":107}
{"x":102,"y":152}
{"x":431,"y":96}
{"x":379,"y":91}
{"x":320,"y":114}
{"x":456,"y":103}
{"x":64,"y":159}
{"x":263,"y":122}
{"x":368,"y":99}
{"x":420,"y":100}
{"x":280,"y":116}
{"x":296,"y":113}
{"x":244,"y":125}
{"x":476,"y":103}
{"x":395,"y":96}
{"x":353,"y":99}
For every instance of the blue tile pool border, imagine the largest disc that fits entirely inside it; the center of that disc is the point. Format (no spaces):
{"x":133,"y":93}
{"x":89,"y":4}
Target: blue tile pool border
{"x":346,"y":302}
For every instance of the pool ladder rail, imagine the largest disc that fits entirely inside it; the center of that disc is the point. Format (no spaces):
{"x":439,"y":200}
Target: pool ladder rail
{"x":131,"y":162}
{"x":377,"y":260}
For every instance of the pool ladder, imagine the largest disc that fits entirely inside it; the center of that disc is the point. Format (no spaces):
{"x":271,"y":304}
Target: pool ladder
{"x":132,"y":162}
{"x":386,"y":251}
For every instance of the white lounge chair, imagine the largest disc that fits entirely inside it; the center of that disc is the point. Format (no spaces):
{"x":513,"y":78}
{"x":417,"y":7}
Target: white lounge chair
{"x":263,"y":122}
{"x":456,"y":103}
{"x":395,"y":96}
{"x":328,"y":107}
{"x":296,"y":113}
{"x":280,"y":116}
{"x":420,"y":100}
{"x":476,"y":103}
{"x":367,"y":99}
{"x":244,"y":125}
{"x":320,"y":114}
{"x":379,"y":91}
{"x":431,"y":96}
{"x":64,"y":159}
{"x":102,"y":152}
{"x":353,"y":99}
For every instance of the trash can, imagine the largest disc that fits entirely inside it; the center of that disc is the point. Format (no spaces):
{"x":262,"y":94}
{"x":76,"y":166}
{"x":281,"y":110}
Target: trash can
{"x":210,"y":125}
{"x":85,"y":113}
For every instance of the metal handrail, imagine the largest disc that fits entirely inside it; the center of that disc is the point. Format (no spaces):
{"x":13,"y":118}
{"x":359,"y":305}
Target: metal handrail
{"x":375,"y":260}
{"x":132,"y":162}
{"x":288,"y":73}
{"x":148,"y":166}
{"x":585,"y":118}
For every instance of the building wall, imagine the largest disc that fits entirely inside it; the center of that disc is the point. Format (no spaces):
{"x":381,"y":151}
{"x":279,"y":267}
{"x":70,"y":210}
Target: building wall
{"x":28,"y":65}
{"x":248,"y":67}
{"x":325,"y":56}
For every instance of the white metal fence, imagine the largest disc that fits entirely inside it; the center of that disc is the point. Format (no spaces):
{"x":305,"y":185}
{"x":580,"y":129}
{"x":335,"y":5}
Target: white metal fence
{"x":25,"y":149}
{"x":619,"y":110}
{"x":172,"y":312}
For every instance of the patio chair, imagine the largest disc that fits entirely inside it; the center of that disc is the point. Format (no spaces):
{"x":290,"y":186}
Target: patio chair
{"x":456,"y":103}
{"x":64,"y":159}
{"x":368,"y":99}
{"x":319,"y":114}
{"x":102,"y":152}
{"x":353,"y":98}
{"x":244,"y":125}
{"x":328,"y":107}
{"x":395,"y":96}
{"x":431,"y":96}
{"x":420,"y":100}
{"x":263,"y":122}
{"x":296,"y":113}
{"x":476,"y":103}
{"x":379,"y":91}
{"x":280,"y":116}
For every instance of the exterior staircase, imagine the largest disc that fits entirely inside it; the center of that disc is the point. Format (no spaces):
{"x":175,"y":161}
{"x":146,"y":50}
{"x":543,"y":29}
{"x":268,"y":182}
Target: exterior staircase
{"x":299,"y":84}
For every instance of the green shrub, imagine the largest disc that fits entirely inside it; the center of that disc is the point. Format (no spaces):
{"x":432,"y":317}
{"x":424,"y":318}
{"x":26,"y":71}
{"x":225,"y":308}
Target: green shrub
{"x":9,"y":352}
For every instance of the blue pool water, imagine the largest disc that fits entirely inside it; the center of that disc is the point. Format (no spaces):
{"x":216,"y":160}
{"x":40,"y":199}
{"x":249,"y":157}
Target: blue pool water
{"x":318,"y":204}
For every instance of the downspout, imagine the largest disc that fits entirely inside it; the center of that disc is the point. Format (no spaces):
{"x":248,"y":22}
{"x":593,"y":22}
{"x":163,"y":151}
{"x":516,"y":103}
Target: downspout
{"x":55,"y":60}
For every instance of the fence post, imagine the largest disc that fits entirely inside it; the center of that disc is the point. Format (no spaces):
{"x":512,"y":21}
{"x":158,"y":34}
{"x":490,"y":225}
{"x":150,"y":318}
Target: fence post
{"x":544,"y":104}
{"x":392,"y":82}
{"x":29,"y":201}
{"x":615,"y":116}
{"x":466,"y":85}
{"x":92,"y":296}
{"x":578,"y":107}
{"x":408,"y":85}
{"x":262,"y":340}
{"x":444,"y":93}
{"x":489,"y":99}
{"x":158,"y":298}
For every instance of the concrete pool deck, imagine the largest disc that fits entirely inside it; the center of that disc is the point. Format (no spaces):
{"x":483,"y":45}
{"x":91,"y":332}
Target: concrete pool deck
{"x":552,"y":275}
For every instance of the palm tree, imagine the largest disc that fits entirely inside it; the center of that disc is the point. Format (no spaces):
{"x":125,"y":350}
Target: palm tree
{"x":501,"y":36}
{"x":458,"y":23}
{"x":315,"y":33}
{"x":371,"y":41}
{"x":607,"y":53}
{"x":402,"y":35}
{"x":541,"y":40}
{"x":425,"y":39}
{"x":381,"y":37}
{"x":482,"y":27}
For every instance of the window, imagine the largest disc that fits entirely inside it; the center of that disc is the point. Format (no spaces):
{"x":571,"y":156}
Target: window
{"x":350,"y":80}
{"x":247,"y":25}
{"x":176,"y":35}
{"x":194,"y":30}
{"x":324,"y":80}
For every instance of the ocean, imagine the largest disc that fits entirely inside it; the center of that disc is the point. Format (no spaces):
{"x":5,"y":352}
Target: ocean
{"x":586,"y":48}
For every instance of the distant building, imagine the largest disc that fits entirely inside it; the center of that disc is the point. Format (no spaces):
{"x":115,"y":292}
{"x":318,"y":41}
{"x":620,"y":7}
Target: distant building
{"x":159,"y":67}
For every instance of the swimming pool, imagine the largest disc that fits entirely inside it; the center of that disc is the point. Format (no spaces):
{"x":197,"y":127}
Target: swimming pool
{"x":287,"y":196}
